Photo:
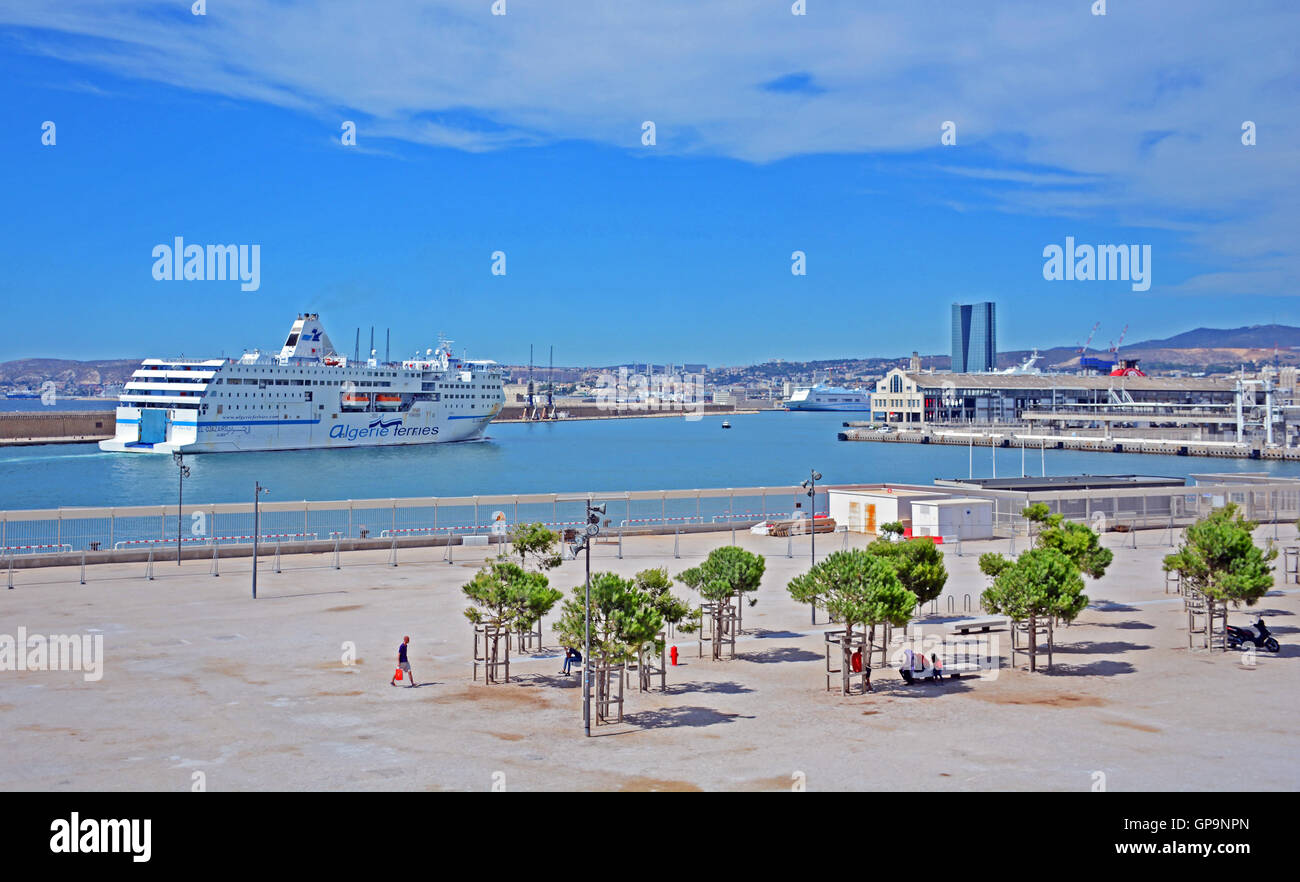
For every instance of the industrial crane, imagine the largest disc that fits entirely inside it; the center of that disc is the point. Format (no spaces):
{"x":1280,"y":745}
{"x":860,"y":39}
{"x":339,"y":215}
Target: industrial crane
{"x":1114,"y":347}
{"x":1083,"y":350}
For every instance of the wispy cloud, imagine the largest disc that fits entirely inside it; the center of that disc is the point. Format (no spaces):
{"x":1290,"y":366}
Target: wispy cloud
{"x":802,"y":83}
{"x":1133,"y":116}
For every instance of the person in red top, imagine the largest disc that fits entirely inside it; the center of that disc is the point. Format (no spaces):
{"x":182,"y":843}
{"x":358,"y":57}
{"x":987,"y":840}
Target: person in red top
{"x":855,"y":662}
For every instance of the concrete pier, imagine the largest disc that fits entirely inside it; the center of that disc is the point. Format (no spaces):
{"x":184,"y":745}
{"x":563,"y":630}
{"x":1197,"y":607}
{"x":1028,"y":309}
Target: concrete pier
{"x":1180,"y":447}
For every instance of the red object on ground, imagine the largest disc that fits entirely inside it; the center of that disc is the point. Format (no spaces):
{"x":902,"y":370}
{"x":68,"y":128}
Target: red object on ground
{"x":398,"y":674}
{"x":673,"y":654}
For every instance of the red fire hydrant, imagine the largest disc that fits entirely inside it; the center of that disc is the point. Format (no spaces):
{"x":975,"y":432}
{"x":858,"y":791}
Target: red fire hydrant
{"x":673,"y":655}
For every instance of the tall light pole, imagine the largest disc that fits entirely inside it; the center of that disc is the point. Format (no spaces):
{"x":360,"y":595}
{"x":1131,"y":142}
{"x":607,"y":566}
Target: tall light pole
{"x":810,"y":488}
{"x":590,"y":531}
{"x":183,"y":472}
{"x":258,"y":490}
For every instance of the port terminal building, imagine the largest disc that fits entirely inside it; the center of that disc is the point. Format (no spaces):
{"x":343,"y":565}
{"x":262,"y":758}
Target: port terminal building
{"x":1197,"y":408}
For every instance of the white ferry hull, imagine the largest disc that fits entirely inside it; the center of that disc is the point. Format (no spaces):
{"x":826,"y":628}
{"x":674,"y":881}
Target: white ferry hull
{"x":856,"y":407}
{"x":829,"y":398}
{"x":307,"y":397}
{"x":347,"y":430}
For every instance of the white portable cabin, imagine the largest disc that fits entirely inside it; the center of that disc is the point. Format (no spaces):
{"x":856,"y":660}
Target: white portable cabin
{"x":953,"y":517}
{"x":863,"y":511}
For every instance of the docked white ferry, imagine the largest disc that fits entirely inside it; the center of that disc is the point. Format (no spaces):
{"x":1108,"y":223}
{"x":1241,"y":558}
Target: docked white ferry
{"x":307,"y":396}
{"x":828,"y":398}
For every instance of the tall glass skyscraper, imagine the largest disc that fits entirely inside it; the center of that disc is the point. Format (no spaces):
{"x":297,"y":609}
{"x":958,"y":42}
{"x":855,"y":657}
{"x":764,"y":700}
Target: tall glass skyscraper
{"x":974,"y":338}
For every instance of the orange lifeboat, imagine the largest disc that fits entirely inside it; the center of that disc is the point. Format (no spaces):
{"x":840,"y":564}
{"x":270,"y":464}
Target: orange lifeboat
{"x":388,"y":401}
{"x":356,"y":399}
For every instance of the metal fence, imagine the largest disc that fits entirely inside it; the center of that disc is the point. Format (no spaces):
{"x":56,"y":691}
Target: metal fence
{"x":1139,"y":508}
{"x":52,"y":531}
{"x":93,"y":529}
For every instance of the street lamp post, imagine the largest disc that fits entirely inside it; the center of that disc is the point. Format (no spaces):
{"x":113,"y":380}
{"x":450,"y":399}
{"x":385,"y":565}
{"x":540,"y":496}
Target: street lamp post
{"x":586,"y":639}
{"x":590,"y":531}
{"x":183,"y":472}
{"x":810,"y":488}
{"x":258,"y":490}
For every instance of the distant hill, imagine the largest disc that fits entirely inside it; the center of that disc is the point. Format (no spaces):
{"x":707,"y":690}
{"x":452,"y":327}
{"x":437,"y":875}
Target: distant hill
{"x":70,"y":377}
{"x":1253,"y":337}
{"x":1201,"y":349}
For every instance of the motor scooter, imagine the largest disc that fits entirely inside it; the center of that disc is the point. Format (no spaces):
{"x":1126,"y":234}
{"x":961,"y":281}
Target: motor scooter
{"x":1258,"y":635}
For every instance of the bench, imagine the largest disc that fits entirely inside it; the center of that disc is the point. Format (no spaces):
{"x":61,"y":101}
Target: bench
{"x":983,"y":623}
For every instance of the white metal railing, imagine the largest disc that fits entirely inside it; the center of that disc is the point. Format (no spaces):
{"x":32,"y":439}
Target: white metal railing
{"x":95,"y":528}
{"x":212,"y":540}
{"x":34,"y":549}
{"x":1263,"y":498}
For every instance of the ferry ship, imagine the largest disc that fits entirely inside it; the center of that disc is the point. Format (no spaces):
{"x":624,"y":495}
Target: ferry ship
{"x":828,"y":398}
{"x":307,"y":396}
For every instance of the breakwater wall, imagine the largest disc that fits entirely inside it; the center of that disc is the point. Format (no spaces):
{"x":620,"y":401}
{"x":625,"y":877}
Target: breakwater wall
{"x":56,"y":426}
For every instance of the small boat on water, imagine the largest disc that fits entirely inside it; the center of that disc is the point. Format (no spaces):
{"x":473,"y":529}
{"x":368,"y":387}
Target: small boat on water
{"x":726,"y":425}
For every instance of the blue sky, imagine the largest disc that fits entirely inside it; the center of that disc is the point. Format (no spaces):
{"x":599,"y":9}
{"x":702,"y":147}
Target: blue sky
{"x":521,"y":133}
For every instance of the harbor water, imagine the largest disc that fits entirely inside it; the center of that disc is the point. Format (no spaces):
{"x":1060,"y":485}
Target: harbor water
{"x":666,"y":453}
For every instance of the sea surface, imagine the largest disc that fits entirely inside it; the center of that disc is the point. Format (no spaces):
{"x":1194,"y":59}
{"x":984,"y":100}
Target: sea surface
{"x":764,"y":449}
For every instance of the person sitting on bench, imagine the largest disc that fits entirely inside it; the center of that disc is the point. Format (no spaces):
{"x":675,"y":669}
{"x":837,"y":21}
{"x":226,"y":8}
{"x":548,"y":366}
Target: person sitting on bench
{"x":913,"y":666}
{"x":571,"y":655}
{"x":936,"y":668}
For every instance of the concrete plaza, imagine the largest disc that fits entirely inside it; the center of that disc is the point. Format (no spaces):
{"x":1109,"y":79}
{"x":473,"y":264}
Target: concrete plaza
{"x":255,"y":695}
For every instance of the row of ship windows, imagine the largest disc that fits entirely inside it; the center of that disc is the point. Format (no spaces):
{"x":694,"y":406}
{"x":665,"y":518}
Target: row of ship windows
{"x":146,"y":393}
{"x":253,"y":381}
{"x":334,"y":372}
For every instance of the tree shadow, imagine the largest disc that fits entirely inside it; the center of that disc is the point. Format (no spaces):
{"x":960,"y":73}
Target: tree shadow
{"x":1111,"y":606}
{"x":1127,"y":626}
{"x":1113,"y":647}
{"x":891,"y":684}
{"x":763,"y":633}
{"x":722,"y":688}
{"x":676,"y":717}
{"x":559,"y":681}
{"x":1093,"y":669}
{"x":781,"y":654}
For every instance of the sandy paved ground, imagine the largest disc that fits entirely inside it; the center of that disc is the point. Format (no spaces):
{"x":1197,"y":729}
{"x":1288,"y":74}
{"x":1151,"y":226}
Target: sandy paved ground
{"x":255,"y":696}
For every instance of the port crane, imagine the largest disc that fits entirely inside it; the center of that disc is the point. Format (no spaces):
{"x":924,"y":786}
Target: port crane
{"x":549,"y":413}
{"x":1114,"y":347}
{"x":1083,"y":350}
{"x":529,"y":412}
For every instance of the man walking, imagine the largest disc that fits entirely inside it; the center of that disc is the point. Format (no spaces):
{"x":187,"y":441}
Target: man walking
{"x":402,"y":664}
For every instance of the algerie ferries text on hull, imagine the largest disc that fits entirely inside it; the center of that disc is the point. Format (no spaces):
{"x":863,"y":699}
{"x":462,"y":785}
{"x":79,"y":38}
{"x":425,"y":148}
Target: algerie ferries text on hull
{"x":307,"y":396}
